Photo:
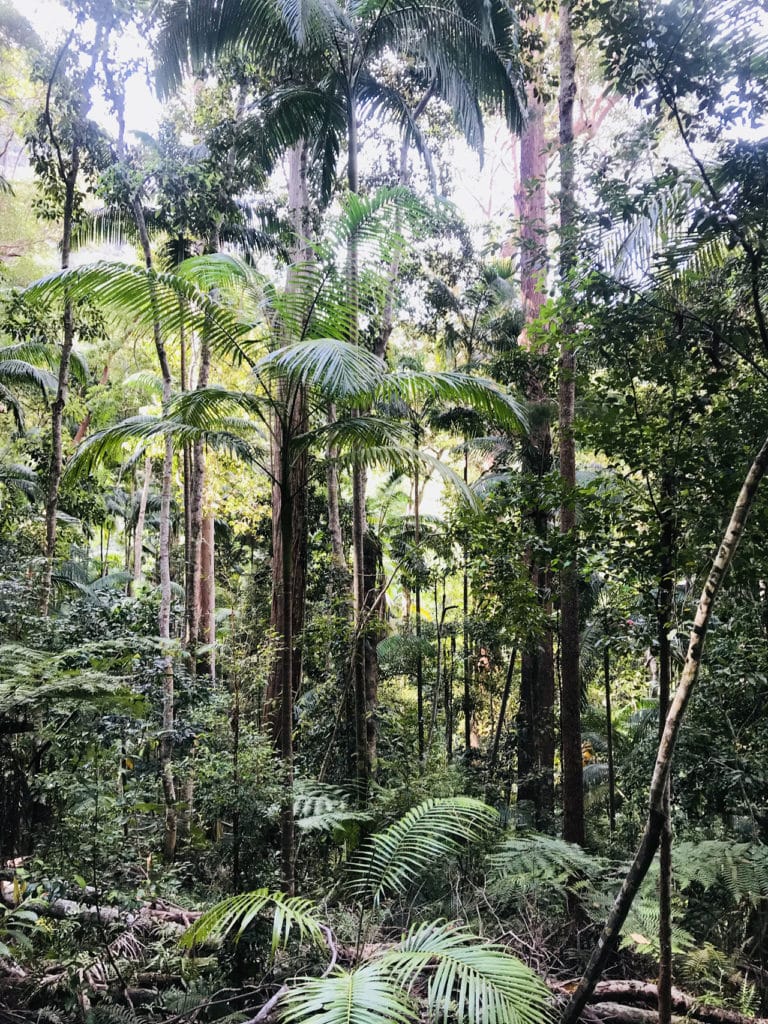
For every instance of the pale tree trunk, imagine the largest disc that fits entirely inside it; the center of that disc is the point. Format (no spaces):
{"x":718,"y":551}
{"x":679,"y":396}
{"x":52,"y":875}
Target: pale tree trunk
{"x":138,"y":532}
{"x":570,"y":699}
{"x":164,"y":559}
{"x":208,"y":593}
{"x":655,"y":822}
{"x":197,"y":490}
{"x":665,"y":608}
{"x":536,"y":727}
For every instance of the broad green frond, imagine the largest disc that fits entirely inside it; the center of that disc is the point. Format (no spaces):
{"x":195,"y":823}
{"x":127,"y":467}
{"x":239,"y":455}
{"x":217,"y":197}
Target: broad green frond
{"x":468,"y":979}
{"x":530,"y":860}
{"x":485,"y":397}
{"x":336,"y":368}
{"x":289,"y":914}
{"x":390,"y":862}
{"x":17,"y":372}
{"x":139,"y":295}
{"x":110,"y":444}
{"x":366,"y":995}
{"x":319,"y":807}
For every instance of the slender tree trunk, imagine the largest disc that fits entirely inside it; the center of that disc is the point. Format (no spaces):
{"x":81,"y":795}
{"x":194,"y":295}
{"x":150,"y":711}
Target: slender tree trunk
{"x":141,"y":514}
{"x":196,"y":494}
{"x":68,"y":176}
{"x":466,"y":638}
{"x":285,"y":428}
{"x":655,"y":822}
{"x":536,"y":727}
{"x":609,"y":735}
{"x":334,"y":513}
{"x":286,"y":658}
{"x":361,"y":598}
{"x":164,"y":560}
{"x":449,"y":702}
{"x":502,"y":714}
{"x":417,"y":600}
{"x":208,"y":594}
{"x":570,"y":701}
{"x":665,"y":604}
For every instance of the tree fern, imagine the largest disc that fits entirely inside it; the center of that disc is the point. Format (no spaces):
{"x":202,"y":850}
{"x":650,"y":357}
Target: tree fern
{"x":392,"y":861}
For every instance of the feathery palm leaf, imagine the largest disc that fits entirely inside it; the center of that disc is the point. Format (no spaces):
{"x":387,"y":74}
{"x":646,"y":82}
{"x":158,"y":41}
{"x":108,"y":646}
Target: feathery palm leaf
{"x":365,"y":995}
{"x":469,"y":979}
{"x":289,"y":914}
{"x":391,"y":861}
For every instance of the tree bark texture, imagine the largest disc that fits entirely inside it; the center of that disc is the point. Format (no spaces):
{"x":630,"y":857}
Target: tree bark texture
{"x":536,"y":727}
{"x":655,"y":822}
{"x":141,"y":514}
{"x":164,"y":560}
{"x":289,"y":487}
{"x":570,"y":693}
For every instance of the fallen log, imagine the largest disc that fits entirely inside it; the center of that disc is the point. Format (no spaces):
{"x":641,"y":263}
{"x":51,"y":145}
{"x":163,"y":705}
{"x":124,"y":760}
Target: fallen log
{"x":636,"y":1002}
{"x":147,"y":917}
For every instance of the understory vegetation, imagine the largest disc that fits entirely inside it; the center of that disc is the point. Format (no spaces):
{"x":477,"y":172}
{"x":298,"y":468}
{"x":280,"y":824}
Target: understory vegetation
{"x":383,"y":578}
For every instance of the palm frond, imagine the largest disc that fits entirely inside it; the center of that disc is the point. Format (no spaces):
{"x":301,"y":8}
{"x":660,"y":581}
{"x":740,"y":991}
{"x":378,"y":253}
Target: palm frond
{"x":365,"y":995}
{"x":390,"y":862}
{"x":469,"y":979}
{"x":290,"y":914}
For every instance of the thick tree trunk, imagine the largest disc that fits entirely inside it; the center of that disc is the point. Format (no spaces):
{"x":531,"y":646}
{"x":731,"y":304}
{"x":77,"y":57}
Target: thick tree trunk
{"x":655,"y":823}
{"x":570,"y":699}
{"x":164,"y":560}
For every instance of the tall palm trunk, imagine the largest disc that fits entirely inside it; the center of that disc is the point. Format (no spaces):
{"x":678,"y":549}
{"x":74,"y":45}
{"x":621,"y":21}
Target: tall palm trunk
{"x":289,"y":487}
{"x":570,"y":699}
{"x":362,"y":598}
{"x":536,"y":731}
{"x":196,"y":494}
{"x":164,"y":560}
{"x":208,"y":593}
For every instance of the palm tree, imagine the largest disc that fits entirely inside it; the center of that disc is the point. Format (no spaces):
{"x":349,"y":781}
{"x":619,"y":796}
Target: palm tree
{"x":322,"y":368}
{"x":326,"y":58}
